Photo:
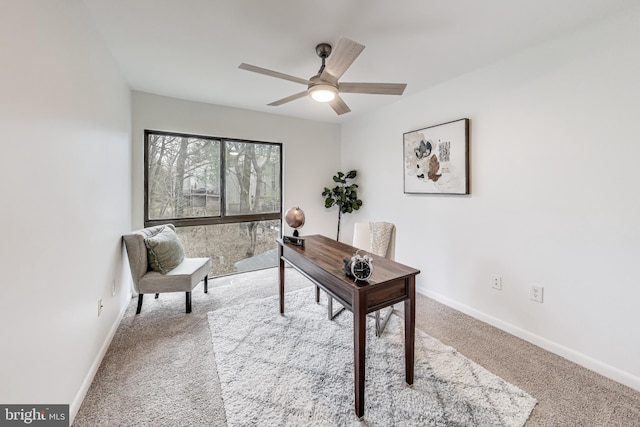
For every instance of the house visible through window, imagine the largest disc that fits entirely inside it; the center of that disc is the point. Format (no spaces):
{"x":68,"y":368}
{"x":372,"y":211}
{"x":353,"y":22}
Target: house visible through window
{"x":223,"y":195}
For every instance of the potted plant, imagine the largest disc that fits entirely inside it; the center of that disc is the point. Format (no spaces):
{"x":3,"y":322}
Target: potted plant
{"x":344,"y":195}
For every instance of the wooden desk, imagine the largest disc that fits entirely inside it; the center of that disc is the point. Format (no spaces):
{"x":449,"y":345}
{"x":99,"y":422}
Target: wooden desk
{"x":320,"y":260}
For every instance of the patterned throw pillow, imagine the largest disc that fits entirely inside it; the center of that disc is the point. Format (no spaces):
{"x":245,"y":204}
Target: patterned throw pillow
{"x":164,"y":250}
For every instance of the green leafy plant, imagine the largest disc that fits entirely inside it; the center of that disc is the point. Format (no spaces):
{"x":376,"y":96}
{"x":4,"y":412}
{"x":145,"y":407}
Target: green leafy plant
{"x":344,"y":195}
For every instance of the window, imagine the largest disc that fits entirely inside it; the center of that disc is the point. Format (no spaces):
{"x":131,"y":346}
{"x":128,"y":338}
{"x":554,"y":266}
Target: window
{"x":223,"y":195}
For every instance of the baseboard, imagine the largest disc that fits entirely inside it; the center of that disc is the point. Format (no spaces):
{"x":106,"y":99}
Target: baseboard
{"x":84,"y":388}
{"x":581,"y":359}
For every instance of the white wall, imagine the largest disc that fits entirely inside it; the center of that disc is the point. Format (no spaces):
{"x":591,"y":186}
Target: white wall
{"x":65,"y":180}
{"x":554,"y":194}
{"x":311,"y":149}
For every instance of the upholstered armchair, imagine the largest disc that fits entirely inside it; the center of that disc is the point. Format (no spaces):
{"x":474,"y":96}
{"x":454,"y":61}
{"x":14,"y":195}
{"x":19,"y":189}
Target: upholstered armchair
{"x":158,"y":265}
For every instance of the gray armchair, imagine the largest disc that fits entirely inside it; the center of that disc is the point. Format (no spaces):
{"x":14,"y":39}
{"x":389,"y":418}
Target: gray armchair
{"x":158,"y":265}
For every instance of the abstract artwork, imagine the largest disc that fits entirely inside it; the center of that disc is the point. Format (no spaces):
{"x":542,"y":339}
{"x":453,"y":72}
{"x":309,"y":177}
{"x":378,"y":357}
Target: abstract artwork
{"x":436,"y":159}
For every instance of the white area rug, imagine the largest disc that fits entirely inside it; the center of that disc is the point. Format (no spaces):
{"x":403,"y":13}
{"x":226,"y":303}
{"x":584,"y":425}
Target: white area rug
{"x":297,"y":370}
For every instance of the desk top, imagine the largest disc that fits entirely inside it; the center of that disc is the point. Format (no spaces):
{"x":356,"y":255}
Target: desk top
{"x":328,"y":254}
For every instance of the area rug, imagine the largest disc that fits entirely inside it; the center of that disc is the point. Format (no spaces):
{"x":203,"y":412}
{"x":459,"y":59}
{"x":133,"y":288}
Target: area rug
{"x":296,"y":369}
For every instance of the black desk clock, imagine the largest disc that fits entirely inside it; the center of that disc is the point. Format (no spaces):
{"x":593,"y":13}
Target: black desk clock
{"x":358,"y":267}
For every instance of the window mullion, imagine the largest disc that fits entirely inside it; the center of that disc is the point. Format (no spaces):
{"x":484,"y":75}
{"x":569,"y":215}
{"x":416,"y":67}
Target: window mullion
{"x":223,"y":179}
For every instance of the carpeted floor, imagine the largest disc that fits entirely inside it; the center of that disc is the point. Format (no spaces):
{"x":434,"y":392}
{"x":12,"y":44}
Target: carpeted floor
{"x":159,"y":370}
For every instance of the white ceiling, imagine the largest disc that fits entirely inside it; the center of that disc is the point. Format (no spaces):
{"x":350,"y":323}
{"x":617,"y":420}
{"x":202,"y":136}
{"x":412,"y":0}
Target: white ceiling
{"x":191,"y":49}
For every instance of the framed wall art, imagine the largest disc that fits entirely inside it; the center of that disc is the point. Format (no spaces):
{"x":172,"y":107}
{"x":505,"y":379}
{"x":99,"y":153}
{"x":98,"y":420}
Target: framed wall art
{"x":436,"y":159}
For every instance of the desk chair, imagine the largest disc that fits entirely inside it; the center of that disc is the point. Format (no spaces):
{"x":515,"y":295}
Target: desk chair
{"x":378,"y":238}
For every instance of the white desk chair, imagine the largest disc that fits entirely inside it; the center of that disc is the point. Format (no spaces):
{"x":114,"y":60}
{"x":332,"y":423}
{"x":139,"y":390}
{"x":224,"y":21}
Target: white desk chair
{"x":378,"y":238}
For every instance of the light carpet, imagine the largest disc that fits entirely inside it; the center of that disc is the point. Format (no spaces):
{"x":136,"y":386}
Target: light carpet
{"x":297,"y":370}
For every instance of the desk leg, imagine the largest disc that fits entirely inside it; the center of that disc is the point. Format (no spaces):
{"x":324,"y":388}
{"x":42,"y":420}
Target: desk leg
{"x":410,"y":329}
{"x":359,"y":346}
{"x":280,"y":252}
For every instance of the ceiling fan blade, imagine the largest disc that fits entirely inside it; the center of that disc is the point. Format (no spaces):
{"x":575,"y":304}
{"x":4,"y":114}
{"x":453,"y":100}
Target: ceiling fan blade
{"x":339,"y":105}
{"x":271,"y":73}
{"x":373,"y":88}
{"x":343,"y":55}
{"x":288,"y":99}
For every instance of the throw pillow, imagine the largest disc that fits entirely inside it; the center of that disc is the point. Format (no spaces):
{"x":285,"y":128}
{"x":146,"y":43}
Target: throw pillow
{"x":165,"y":251}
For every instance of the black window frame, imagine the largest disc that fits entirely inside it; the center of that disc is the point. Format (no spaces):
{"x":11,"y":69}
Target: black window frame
{"x":223,"y":218}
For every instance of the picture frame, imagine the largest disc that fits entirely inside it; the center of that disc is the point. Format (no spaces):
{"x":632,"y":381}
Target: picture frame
{"x":436,"y":159}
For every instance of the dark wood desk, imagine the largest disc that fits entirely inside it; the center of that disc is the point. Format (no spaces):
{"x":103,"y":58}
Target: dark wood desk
{"x":320,"y":260}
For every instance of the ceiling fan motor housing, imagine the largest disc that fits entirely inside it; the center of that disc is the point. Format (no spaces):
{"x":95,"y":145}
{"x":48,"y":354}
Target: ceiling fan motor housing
{"x":316,"y":80}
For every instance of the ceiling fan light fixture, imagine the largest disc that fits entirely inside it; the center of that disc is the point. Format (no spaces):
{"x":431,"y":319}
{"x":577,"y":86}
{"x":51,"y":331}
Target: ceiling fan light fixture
{"x":323,"y":92}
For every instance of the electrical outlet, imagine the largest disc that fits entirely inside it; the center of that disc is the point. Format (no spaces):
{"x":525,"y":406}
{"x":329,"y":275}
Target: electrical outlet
{"x":535,"y":293}
{"x":100,"y":307}
{"x":496,"y":282}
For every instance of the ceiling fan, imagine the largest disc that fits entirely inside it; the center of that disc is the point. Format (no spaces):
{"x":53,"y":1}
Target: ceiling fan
{"x":324,"y":86}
